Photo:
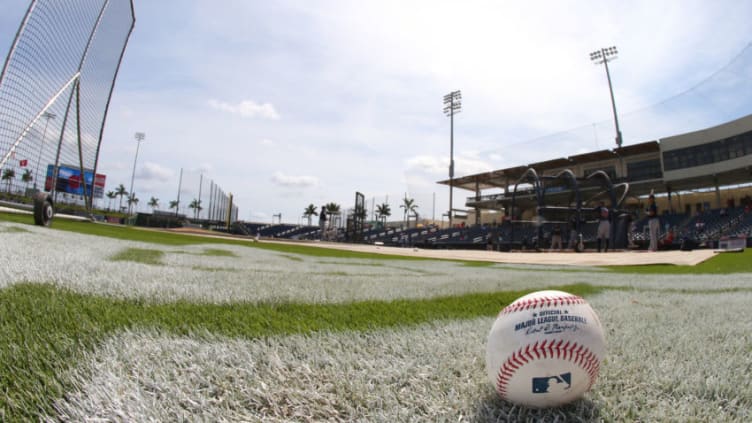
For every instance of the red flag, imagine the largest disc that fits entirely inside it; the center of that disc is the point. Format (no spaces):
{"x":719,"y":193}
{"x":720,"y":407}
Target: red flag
{"x":24,"y":162}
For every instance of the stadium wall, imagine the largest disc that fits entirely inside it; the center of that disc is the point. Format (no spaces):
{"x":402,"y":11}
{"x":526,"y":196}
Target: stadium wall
{"x":728,"y":149}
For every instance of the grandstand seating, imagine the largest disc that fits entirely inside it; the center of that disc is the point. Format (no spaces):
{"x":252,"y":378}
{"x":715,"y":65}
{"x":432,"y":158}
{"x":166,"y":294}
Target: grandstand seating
{"x":744,"y":227}
{"x":704,"y":228}
{"x":247,"y":228}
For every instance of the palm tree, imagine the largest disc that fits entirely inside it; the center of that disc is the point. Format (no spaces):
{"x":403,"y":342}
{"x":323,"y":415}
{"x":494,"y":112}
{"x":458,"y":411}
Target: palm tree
{"x":121,"y":192}
{"x":409,"y":205}
{"x":132,"y":200}
{"x":111,"y":195}
{"x":309,"y":212}
{"x":331,"y":209}
{"x":27,"y":177}
{"x":174,"y":205}
{"x":383,"y":211}
{"x":154,"y":203}
{"x":196,"y":206}
{"x":8,"y":175}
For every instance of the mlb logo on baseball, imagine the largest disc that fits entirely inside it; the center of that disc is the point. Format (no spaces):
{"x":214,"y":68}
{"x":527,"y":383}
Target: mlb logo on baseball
{"x":545,"y":349}
{"x":546,"y":384}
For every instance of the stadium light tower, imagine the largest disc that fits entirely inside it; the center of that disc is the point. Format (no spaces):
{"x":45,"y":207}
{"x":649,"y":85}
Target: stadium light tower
{"x":48,"y":116}
{"x":139,"y":137}
{"x":604,"y":56}
{"x":452,"y":105}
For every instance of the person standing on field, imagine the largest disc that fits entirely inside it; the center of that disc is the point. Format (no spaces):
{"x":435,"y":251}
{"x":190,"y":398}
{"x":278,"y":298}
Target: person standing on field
{"x":654,"y":223}
{"x":322,"y":221}
{"x":573,"y":235}
{"x":556,"y":238}
{"x":604,"y":225}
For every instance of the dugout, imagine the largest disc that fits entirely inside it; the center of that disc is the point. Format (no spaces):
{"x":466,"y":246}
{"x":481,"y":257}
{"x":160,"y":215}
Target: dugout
{"x":160,"y":219}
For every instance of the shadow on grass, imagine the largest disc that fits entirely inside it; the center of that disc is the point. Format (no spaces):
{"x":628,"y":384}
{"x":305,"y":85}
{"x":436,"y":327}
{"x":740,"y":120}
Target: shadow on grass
{"x":491,"y":408}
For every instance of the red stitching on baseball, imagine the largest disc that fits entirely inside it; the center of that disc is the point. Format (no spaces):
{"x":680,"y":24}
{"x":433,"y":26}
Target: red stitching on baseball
{"x":542,"y":301}
{"x":579,"y":354}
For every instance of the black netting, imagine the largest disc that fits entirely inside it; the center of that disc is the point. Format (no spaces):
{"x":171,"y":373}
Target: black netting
{"x":201,"y":198}
{"x":54,"y":91}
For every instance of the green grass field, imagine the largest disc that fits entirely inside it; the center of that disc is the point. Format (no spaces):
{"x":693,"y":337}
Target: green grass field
{"x":721,"y":264}
{"x":49,"y":329}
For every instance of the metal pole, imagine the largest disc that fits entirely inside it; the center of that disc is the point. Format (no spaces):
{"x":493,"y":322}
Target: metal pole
{"x":180,"y":183}
{"x":451,"y":159}
{"x":613,"y":103}
{"x":211,"y":199}
{"x":200,"y":183}
{"x":48,"y":116}
{"x":139,"y":137}
{"x":452,"y":105}
{"x":603,"y":56}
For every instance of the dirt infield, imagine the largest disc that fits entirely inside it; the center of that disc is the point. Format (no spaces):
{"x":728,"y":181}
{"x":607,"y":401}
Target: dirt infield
{"x":616,"y":258}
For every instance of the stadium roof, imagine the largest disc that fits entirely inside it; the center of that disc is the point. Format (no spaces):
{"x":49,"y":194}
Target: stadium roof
{"x":502,"y":177}
{"x":712,"y":157}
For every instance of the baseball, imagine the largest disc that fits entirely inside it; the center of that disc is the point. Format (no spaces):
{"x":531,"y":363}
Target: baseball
{"x":545,"y":349}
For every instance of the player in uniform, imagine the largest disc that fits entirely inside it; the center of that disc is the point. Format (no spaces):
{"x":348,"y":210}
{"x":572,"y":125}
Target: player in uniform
{"x":604,"y":225}
{"x":654,"y":222}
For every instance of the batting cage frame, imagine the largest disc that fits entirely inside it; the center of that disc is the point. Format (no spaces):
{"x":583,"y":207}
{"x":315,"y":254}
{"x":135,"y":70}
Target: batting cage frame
{"x":573,"y":209}
{"x":355,"y":220}
{"x":57,"y":83}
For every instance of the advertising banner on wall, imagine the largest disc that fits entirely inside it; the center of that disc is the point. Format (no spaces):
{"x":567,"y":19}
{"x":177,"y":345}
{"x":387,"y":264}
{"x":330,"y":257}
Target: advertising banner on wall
{"x":69,"y":180}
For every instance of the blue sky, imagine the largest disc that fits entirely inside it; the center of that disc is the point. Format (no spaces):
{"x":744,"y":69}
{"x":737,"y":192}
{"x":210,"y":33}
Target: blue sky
{"x":289,"y":103}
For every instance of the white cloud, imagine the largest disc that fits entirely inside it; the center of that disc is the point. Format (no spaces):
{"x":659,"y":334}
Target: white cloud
{"x":247,"y":109}
{"x":439,"y":166}
{"x":202,"y":168}
{"x":259,"y":216}
{"x":154,"y":172}
{"x":284,"y":180}
{"x":469,"y":166}
{"x":267,"y":142}
{"x":430,"y":164}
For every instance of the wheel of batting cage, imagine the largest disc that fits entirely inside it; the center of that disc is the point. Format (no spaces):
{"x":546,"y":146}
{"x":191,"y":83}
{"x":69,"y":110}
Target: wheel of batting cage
{"x":43,"y":210}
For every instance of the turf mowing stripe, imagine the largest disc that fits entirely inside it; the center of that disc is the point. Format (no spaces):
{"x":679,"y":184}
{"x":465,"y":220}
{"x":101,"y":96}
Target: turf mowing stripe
{"x":44,"y":330}
{"x":175,"y":239}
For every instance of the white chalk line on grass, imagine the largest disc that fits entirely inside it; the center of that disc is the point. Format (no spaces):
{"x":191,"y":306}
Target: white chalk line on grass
{"x":671,"y":357}
{"x":82,"y":263}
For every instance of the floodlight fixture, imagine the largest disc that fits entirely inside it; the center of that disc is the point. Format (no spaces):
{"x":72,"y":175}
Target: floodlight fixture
{"x":452,"y":103}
